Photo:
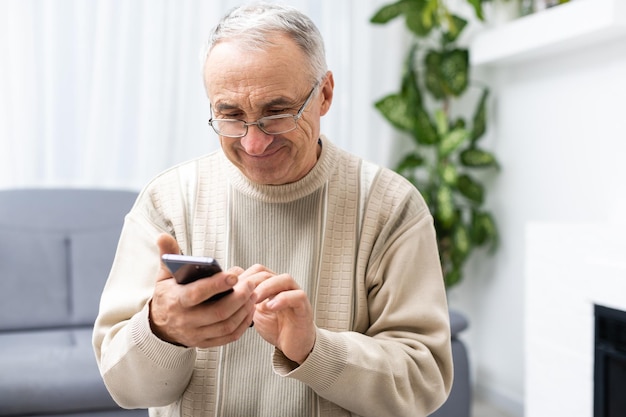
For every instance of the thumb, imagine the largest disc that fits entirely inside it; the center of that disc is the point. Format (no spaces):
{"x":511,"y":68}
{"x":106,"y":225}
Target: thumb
{"x":166,"y":244}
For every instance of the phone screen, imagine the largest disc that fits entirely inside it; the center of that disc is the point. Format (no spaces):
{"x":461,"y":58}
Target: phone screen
{"x":186,"y":269}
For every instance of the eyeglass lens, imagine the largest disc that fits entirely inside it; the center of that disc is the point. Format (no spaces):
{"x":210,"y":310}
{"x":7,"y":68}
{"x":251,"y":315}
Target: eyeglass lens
{"x":269,"y":125}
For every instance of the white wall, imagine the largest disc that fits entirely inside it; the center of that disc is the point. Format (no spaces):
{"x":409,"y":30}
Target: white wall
{"x":558,"y":130}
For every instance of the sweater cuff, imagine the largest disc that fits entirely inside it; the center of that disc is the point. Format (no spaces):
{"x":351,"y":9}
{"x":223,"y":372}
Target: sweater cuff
{"x":164,"y":354}
{"x":322,"y":367}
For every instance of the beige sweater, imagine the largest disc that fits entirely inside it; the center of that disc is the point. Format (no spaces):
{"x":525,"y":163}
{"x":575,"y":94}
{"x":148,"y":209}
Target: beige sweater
{"x":358,"y":238}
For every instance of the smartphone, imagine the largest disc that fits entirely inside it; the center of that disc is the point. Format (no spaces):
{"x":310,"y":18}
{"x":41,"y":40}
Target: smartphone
{"x":186,"y":269}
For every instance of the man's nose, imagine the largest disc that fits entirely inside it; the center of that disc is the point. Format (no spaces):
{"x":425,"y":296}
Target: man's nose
{"x":256,"y":141}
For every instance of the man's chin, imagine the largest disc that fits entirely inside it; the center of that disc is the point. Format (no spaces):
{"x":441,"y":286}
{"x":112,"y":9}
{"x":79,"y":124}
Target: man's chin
{"x":267,"y":171}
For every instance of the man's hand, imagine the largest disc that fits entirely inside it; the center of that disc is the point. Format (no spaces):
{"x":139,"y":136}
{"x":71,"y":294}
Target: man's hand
{"x":284,"y":316}
{"x":179,"y":315}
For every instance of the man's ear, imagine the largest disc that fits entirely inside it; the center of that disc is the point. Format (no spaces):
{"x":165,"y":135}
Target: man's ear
{"x":328,"y":87}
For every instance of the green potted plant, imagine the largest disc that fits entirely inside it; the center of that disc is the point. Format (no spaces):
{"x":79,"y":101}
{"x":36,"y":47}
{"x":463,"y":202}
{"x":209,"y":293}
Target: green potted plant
{"x":446,"y":157}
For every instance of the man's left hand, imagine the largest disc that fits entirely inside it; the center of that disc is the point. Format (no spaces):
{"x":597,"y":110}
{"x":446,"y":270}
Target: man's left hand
{"x":284,"y":317}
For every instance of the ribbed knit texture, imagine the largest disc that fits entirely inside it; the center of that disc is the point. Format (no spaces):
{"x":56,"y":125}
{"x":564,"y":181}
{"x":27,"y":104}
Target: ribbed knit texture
{"x":287,"y":240}
{"x":284,"y":228}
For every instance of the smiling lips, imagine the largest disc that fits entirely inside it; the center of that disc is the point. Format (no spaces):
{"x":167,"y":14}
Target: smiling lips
{"x":272,"y":149}
{"x":266,"y":154}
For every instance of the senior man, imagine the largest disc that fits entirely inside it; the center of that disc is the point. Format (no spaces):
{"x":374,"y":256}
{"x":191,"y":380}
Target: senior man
{"x":338,"y":305}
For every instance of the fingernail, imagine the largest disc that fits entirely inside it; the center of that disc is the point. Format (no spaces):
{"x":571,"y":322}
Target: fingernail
{"x":232,"y":280}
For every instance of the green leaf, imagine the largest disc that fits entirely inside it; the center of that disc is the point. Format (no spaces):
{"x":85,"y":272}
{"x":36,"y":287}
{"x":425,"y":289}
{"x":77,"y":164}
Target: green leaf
{"x":454,"y":71}
{"x":404,"y":111}
{"x":432,"y":78}
{"x":478,"y":8}
{"x":410,"y":87}
{"x":421,"y":16}
{"x":396,"y":110}
{"x":448,"y":174}
{"x":391,"y":11}
{"x":446,"y":72}
{"x":441,"y":121}
{"x":445,"y":212}
{"x":477,"y":158}
{"x":456,"y":24}
{"x":470,"y":189}
{"x":430,"y":13}
{"x":424,"y":132}
{"x":461,"y":244}
{"x":484,"y":229}
{"x":459,"y":122}
{"x":419,"y":22}
{"x":410,"y":162}
{"x":480,"y":117}
{"x":451,"y":141}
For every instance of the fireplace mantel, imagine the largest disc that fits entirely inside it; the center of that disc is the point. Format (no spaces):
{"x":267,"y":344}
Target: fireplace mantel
{"x":569,"y":26}
{"x":569,"y":269}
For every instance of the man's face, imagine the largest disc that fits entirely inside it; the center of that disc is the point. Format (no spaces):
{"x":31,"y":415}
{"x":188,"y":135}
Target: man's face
{"x":248,"y":85}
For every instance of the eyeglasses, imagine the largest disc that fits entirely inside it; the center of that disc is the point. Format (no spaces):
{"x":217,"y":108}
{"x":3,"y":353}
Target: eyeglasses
{"x":270,"y":125}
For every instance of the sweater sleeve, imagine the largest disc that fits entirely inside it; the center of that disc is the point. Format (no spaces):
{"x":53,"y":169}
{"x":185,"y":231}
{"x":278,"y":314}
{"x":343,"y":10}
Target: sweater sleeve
{"x":399,"y":360}
{"x":130,"y":357}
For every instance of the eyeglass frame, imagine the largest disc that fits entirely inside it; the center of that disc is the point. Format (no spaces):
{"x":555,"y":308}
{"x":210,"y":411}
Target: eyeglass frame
{"x":258,"y":122}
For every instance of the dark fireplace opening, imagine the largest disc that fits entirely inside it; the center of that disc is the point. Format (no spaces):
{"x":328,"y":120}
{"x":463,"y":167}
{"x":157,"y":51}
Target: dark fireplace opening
{"x":609,"y":380}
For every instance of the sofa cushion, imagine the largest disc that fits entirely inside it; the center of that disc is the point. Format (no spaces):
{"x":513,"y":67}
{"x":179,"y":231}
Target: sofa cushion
{"x":34,"y":273}
{"x":91,"y":256}
{"x":56,"y":249}
{"x":51,"y":371}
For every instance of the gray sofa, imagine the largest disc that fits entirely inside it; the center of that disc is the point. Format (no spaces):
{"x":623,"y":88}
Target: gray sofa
{"x":459,"y":401}
{"x":56,"y":248}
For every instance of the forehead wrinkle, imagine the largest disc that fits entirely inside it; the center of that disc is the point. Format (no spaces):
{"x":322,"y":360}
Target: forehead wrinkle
{"x":278,"y":101}
{"x":252,"y":82}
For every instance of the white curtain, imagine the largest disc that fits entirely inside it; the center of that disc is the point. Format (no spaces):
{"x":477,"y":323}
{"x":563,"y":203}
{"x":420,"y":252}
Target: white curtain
{"x":108,"y":93}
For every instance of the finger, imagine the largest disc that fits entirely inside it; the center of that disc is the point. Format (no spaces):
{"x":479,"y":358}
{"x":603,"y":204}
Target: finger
{"x":275,"y":285}
{"x":236,"y":270}
{"x":221,"y":333}
{"x":295,"y":300}
{"x":256,"y":274}
{"x":259,"y":277}
{"x":201,"y":290}
{"x":166,"y":244}
{"x":257,"y":269}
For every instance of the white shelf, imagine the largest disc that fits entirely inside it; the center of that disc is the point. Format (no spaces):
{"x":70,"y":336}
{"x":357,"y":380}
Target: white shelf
{"x":580,"y":23}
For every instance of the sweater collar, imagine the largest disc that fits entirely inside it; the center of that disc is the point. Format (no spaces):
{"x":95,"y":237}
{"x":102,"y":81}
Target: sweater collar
{"x":315,"y":179}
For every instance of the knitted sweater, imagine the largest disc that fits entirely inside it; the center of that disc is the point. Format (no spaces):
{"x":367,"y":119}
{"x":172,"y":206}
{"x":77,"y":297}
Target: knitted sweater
{"x":358,"y":239}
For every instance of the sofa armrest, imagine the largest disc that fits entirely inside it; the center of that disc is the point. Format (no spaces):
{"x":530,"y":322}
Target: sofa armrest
{"x":458,"y":323}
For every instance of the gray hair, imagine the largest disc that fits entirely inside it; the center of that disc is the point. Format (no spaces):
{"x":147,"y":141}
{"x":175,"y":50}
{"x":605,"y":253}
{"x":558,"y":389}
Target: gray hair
{"x":253,"y":25}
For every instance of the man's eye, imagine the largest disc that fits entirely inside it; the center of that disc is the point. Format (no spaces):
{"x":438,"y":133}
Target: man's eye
{"x":274,"y":112}
{"x":237,"y":116}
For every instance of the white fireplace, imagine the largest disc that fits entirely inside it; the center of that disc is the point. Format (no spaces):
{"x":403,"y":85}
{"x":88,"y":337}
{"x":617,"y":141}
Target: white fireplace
{"x":569,"y":269}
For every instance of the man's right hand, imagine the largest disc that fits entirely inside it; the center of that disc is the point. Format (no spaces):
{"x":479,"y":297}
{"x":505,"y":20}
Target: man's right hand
{"x":179,"y":315}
